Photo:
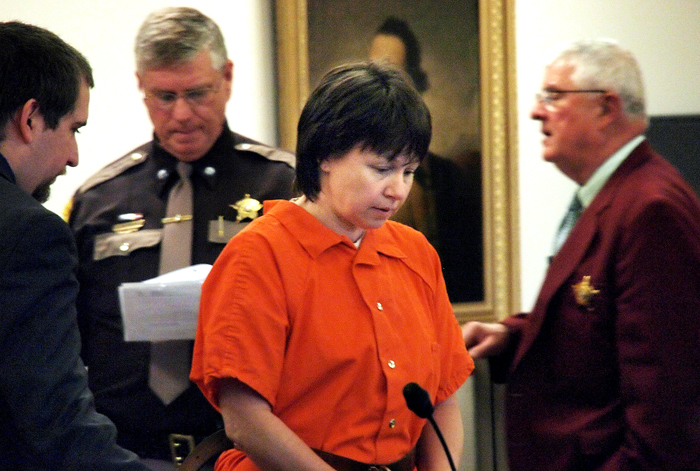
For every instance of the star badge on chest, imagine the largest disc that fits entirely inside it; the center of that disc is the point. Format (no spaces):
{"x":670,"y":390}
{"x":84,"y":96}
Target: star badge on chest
{"x":584,"y":292}
{"x":247,"y":208}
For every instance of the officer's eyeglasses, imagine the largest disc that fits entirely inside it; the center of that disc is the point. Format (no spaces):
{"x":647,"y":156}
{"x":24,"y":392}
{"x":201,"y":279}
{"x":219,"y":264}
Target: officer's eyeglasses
{"x":165,"y":100}
{"x":549,"y":98}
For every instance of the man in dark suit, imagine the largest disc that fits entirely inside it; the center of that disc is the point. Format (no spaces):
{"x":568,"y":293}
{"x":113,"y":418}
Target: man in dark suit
{"x":46,"y":410}
{"x":604,"y":373}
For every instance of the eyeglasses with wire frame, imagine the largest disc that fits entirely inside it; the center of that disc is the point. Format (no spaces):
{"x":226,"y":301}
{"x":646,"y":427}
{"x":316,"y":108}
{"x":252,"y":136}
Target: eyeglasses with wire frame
{"x":165,"y":100}
{"x":550,"y":97}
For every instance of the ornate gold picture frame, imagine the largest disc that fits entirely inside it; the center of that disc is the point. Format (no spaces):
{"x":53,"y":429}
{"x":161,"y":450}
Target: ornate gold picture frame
{"x":498,"y":137}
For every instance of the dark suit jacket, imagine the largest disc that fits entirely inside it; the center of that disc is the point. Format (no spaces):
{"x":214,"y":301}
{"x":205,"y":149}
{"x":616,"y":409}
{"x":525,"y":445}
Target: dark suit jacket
{"x":613,"y":382}
{"x":47,"y":417}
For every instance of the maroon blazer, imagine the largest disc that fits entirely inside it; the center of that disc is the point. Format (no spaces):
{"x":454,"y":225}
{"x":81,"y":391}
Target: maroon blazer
{"x":611,"y":380}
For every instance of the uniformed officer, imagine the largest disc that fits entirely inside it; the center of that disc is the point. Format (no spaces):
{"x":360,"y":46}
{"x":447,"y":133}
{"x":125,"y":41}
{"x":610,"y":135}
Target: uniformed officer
{"x":119,"y":220}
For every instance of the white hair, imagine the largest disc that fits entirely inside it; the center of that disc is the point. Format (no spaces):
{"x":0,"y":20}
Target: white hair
{"x":603,"y":64}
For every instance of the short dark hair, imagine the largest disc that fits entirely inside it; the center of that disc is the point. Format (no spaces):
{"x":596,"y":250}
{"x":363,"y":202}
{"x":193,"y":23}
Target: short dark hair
{"x":366,"y":104}
{"x":393,"y":26}
{"x":37,"y":64}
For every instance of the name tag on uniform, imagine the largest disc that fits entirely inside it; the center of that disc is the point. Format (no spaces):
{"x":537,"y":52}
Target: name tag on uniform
{"x":222,"y":230}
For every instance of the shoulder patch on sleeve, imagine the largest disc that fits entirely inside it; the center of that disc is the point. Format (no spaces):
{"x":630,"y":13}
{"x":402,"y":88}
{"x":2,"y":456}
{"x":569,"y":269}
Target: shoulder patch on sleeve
{"x":268,"y":152}
{"x":133,"y":158}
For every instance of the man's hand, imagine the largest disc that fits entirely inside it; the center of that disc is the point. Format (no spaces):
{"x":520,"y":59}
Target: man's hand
{"x":484,"y":340}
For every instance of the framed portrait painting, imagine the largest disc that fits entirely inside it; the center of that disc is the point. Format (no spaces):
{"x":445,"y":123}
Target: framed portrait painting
{"x":458,"y":54}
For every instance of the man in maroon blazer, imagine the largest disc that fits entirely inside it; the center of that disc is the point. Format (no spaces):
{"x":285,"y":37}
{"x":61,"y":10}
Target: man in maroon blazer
{"x":604,"y":373}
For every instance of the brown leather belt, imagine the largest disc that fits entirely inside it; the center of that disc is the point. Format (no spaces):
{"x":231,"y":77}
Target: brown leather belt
{"x":217,"y":442}
{"x":210,"y":447}
{"x":340,"y":463}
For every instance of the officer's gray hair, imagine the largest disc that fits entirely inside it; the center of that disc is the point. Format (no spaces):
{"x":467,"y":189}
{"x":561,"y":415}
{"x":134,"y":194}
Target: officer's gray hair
{"x":174,"y":35}
{"x":603,"y":64}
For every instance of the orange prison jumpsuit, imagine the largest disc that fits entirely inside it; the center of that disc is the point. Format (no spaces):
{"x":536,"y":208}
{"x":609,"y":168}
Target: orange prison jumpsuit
{"x":329,"y":334}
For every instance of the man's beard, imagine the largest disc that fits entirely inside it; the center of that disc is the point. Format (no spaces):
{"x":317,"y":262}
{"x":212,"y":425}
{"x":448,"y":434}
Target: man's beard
{"x":42,"y":192}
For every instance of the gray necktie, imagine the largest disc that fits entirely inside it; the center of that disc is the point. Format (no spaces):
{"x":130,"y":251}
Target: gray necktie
{"x":572,"y":214}
{"x":170,"y":360}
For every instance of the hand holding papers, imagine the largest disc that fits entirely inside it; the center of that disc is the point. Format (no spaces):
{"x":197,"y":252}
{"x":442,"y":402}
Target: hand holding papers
{"x":163,"y":308}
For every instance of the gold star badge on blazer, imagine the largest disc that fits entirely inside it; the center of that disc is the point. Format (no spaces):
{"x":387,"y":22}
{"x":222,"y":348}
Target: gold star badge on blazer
{"x":584,"y":292}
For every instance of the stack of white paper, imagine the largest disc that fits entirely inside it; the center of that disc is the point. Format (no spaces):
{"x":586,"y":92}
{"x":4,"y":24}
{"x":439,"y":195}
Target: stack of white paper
{"x":163,"y":308}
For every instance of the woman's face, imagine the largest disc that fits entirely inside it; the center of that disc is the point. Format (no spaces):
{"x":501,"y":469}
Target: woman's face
{"x":361,"y":190}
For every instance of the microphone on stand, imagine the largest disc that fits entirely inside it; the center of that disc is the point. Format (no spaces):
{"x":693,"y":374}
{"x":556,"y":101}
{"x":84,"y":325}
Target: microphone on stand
{"x":418,"y":401}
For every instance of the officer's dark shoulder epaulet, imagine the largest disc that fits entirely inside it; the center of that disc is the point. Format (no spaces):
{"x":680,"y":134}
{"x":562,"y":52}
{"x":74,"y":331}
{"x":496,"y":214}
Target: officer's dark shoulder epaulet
{"x":270,"y":153}
{"x":119,"y":166}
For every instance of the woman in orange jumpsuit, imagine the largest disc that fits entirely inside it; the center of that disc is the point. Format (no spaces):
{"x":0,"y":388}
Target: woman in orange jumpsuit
{"x":316,"y":316}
